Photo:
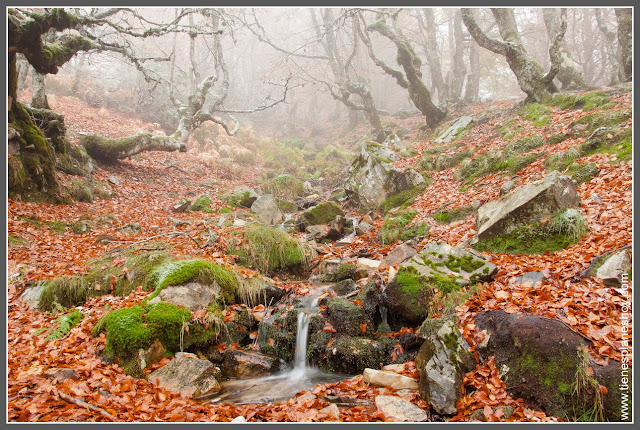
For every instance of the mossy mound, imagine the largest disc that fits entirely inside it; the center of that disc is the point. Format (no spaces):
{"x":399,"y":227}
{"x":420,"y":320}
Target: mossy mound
{"x":285,"y":186}
{"x":201,"y":204}
{"x":137,"y":327}
{"x":585,"y":101}
{"x":522,"y":145}
{"x":268,"y":250}
{"x":443,"y":162}
{"x":493,"y":162}
{"x":537,"y":113}
{"x":562,"y":230}
{"x":395,"y":228}
{"x":604,"y":118}
{"x":323,"y":213}
{"x":583,"y":172}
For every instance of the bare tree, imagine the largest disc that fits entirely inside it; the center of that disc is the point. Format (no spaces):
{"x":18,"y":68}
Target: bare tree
{"x":625,"y":28}
{"x":610,"y":38}
{"x":529,"y":74}
{"x":472,"y":89}
{"x":427,"y":26}
{"x":568,"y":73}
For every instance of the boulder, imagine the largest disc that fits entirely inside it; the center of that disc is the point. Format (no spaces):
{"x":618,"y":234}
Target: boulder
{"x":396,"y":409}
{"x":324,"y":213}
{"x":334,"y":270}
{"x":452,"y":132}
{"x":610,"y":267}
{"x":192,"y":295}
{"x":306,"y":203}
{"x":346,"y":316}
{"x":114,"y":180}
{"x":532,"y":203}
{"x":365,"y":267}
{"x":347,"y":354}
{"x":372,"y":179}
{"x":442,"y":361}
{"x":248,"y":364}
{"x":391,"y":379}
{"x":438,"y":267}
{"x":398,"y":255}
{"x":188,"y":374}
{"x":317,"y":232}
{"x":543,"y":359}
{"x":263,"y":292}
{"x":345,"y":287}
{"x":31,"y":296}
{"x":267,"y":210}
{"x":244,"y":196}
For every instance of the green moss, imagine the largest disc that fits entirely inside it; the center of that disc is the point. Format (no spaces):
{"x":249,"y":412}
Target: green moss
{"x":453,"y":215}
{"x":564,"y":229}
{"x":403,"y":199}
{"x":442,"y":162}
{"x":537,"y":113}
{"x":490,"y":162}
{"x":164,"y":321}
{"x":201,"y":204}
{"x":466,"y":263}
{"x":17,"y":241}
{"x":57,"y":227}
{"x":286,"y":206}
{"x":605,"y":118}
{"x":394,"y":226}
{"x":585,"y":101}
{"x":285,"y":186}
{"x":620,"y":145}
{"x":323,"y":213}
{"x":522,"y":145}
{"x":583,"y":172}
{"x":80,"y":191}
{"x":240,"y":199}
{"x":65,"y":324}
{"x":268,"y":249}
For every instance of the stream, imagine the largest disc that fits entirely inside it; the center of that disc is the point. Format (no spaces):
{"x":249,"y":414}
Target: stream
{"x":284,"y":385}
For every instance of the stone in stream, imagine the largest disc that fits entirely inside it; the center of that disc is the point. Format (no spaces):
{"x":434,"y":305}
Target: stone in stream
{"x":186,"y":373}
{"x":391,"y":379}
{"x":248,"y":364}
{"x":396,"y":409}
{"x":442,"y":361}
{"x":267,"y":210}
{"x":541,"y":359}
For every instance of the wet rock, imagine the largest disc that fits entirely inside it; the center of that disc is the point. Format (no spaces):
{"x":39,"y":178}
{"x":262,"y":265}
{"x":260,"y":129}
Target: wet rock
{"x":346,"y":354}
{"x":192,"y":295}
{"x":365,"y":267}
{"x":188,"y":374}
{"x":542,"y":358}
{"x":267,"y":210}
{"x":263,"y":293}
{"x":398,"y":255}
{"x":372,"y":179}
{"x":396,"y":409}
{"x":452,"y":132}
{"x":440,"y":267}
{"x":442,"y":361}
{"x":531,"y":278}
{"x":346,"y":316}
{"x":182,"y":206}
{"x":532,"y":203}
{"x":345,"y":287}
{"x":248,"y":364}
{"x":383,"y":378}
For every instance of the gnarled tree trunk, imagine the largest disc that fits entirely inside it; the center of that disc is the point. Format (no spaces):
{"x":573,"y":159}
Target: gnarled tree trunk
{"x":110,"y":150}
{"x":530,"y":75}
{"x":568,"y":73}
{"x":39,"y":99}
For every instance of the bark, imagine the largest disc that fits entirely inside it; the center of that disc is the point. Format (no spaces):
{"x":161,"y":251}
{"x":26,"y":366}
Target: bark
{"x":459,"y":70}
{"x":625,"y":28}
{"x":110,"y":150}
{"x":473,"y":81}
{"x":39,"y":99}
{"x":610,"y":37}
{"x":410,"y":62}
{"x":430,"y":47}
{"x":529,"y":74}
{"x":568,"y":73}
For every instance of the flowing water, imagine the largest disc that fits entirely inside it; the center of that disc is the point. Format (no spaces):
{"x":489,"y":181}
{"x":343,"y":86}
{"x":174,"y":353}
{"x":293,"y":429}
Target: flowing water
{"x":283,"y":385}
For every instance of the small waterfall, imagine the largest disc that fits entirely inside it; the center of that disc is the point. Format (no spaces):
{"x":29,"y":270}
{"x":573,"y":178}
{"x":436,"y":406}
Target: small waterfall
{"x":302,"y":333}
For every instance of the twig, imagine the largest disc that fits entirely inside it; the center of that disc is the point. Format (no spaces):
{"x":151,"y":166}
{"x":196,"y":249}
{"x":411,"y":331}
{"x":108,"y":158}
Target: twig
{"x":177,"y":168}
{"x":86,"y":405}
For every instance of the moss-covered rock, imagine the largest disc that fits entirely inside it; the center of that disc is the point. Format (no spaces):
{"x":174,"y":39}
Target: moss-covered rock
{"x":241,"y":196}
{"x":586,"y":101}
{"x":347,"y":317}
{"x":348,"y":355}
{"x":268,"y":250}
{"x":583,"y":172}
{"x":201,"y":204}
{"x":323,"y":213}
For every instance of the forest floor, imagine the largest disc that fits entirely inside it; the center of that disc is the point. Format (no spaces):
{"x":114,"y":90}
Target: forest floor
{"x":150,"y":186}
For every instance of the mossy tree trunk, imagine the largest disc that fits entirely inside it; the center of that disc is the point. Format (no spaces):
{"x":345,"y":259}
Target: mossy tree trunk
{"x":529,"y":74}
{"x":113,"y":149}
{"x":625,"y":27}
{"x":568,"y":74}
{"x":411,"y":63}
